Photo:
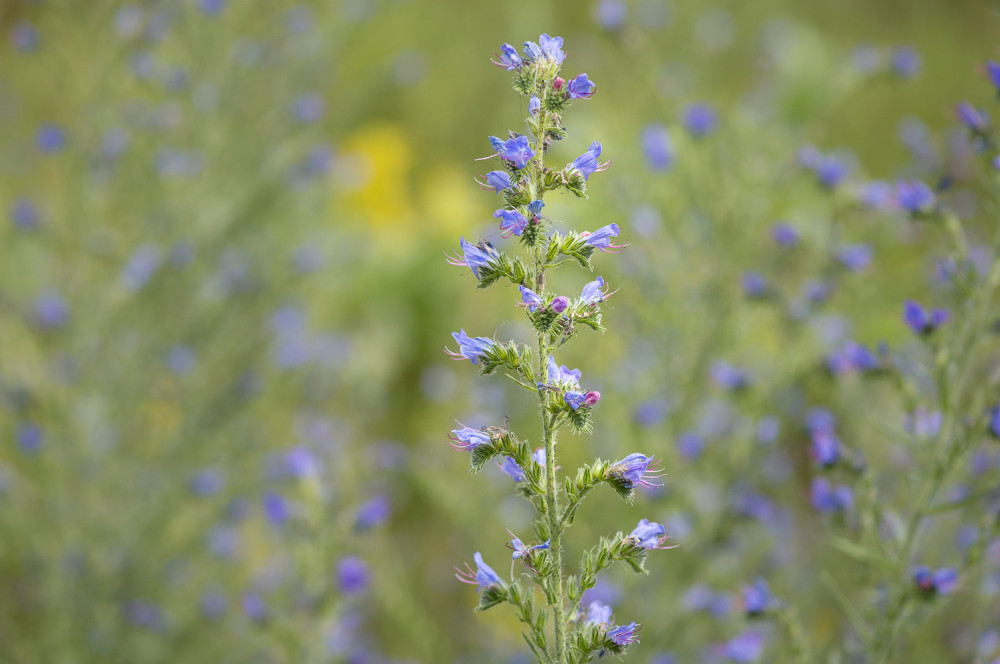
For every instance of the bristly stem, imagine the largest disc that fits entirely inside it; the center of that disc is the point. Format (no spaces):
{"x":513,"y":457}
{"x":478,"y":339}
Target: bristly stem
{"x":548,"y":434}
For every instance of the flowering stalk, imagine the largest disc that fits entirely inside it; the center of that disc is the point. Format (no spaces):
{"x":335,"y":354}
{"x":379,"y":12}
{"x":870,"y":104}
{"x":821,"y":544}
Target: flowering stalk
{"x":562,"y":401}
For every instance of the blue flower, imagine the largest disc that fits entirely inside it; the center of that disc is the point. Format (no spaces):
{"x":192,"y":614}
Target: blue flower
{"x":141,"y":266}
{"x":588,"y":163}
{"x":601,"y":238}
{"x":24,"y":214}
{"x":826,"y":498}
{"x":993,"y":72}
{"x":29,"y":438}
{"x":939,"y":582}
{"x":475,"y":256}
{"x":560,"y":303}
{"x":610,"y":13}
{"x":635,"y":470}
{"x":756,"y":598}
{"x":995,"y":421}
{"x":577,"y":399}
{"x":51,"y":310}
{"x":913,"y":196}
{"x":50,"y":138}
{"x":508,"y":58}
{"x":580,"y":87}
{"x":905,"y":62}
{"x":309,"y":108}
{"x":744,"y":648}
{"x":728,"y":376}
{"x":923,"y":423}
{"x":467,"y":438}
{"x":825,"y":448}
{"x":598,"y":614}
{"x":212,"y":7}
{"x":923,"y":321}
{"x":24,"y":36}
{"x":623,"y":635}
{"x":513,"y":222}
{"x":551,"y":48}
{"x":532,"y":51}
{"x":561,"y":376}
{"x":975,"y":119}
{"x":470,"y":348}
{"x":657,"y":147}
{"x":593,"y":292}
{"x":522,"y":551}
{"x":534,"y":105}
{"x":700,"y":120}
{"x":352,"y":575}
{"x":535,"y":207}
{"x":276,"y":509}
{"x":510,"y":467}
{"x":207,"y":482}
{"x":855,"y":257}
{"x":254,"y":607}
{"x":497,"y":181}
{"x":785,"y":235}
{"x":373,"y":513}
{"x":516,"y":150}
{"x":530,"y":299}
{"x":483,"y":577}
{"x":649,"y":535}
{"x":754,"y":284}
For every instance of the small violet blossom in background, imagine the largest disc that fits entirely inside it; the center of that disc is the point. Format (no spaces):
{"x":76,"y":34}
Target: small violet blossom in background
{"x":923,"y":321}
{"x":939,"y":582}
{"x":700,"y":120}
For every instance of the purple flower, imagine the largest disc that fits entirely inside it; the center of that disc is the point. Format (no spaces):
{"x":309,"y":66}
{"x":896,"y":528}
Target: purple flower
{"x":254,"y":607}
{"x":577,"y":399}
{"x":939,"y":582}
{"x":484,"y":576}
{"x":610,"y":13}
{"x":995,"y":421}
{"x":207,"y":482}
{"x":467,"y":438}
{"x":831,"y":171}
{"x":530,"y":299}
{"x":50,"y":138}
{"x":24,"y":214}
{"x":657,"y":147}
{"x":276,"y":509}
{"x":877,"y":195}
{"x":975,"y":119}
{"x":534,"y":105}
{"x":522,"y":551}
{"x":756,"y":598}
{"x":515,"y":150}
{"x":50,"y":310}
{"x":601,"y":238}
{"x":598,"y":614}
{"x":825,"y":448}
{"x":561,"y":376}
{"x":826,"y":498}
{"x":588,"y":163}
{"x":923,"y":423}
{"x":372,"y":513}
{"x":754,"y":284}
{"x":700,"y":120}
{"x":744,"y":648}
{"x":508,"y":58}
{"x":923,"y":321}
{"x":513,"y":222}
{"x":470,"y":348}
{"x":560,"y":303}
{"x":635,"y":470}
{"x":29,"y":438}
{"x":905,"y":62}
{"x":510,"y":467}
{"x":551,"y":48}
{"x":497,"y":181}
{"x":475,"y":256}
{"x":309,"y":108}
{"x":785,"y":235}
{"x":729,"y":377}
{"x":141,"y":266}
{"x":855,"y":257}
{"x":914,"y":196}
{"x":623,"y":635}
{"x":352,"y":575}
{"x":24,"y":36}
{"x":993,"y":71}
{"x":580,"y":87}
{"x":690,"y":444}
{"x":592,"y":293}
{"x":301,"y":463}
{"x":649,"y":535}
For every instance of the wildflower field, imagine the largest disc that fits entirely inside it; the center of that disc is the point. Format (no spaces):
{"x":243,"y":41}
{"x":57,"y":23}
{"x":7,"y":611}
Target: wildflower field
{"x":730,"y":272}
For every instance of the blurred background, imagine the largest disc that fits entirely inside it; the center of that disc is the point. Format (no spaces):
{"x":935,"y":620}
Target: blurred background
{"x":224,"y":405}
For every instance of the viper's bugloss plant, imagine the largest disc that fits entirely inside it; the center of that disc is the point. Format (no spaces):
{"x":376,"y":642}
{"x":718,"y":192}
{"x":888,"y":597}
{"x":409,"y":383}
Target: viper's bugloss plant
{"x":558,"y":631}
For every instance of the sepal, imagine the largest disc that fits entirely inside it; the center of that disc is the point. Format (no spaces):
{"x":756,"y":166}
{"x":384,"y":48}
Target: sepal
{"x":507,"y":354}
{"x":571,"y":245}
{"x":572,"y":179}
{"x":491,"y":596}
{"x":503,"y":267}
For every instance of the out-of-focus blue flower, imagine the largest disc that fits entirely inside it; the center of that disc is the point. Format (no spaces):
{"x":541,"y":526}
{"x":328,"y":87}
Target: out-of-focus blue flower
{"x":24,"y":37}
{"x":855,"y":257}
{"x":469,"y":348}
{"x":877,"y":195}
{"x":657,"y":147}
{"x":211,"y":7}
{"x":923,"y":423}
{"x":223,"y":541}
{"x":508,"y":58}
{"x":141,"y":266}
{"x":636,"y":470}
{"x":510,"y":467}
{"x":601,"y":238}
{"x":24,"y":214}
{"x":497,"y":181}
{"x":580,"y":87}
{"x":913,"y":196}
{"x":754,"y":285}
{"x":467,"y":438}
{"x":254,"y":607}
{"x":825,"y":448}
{"x":594,"y":292}
{"x":577,"y":399}
{"x":309,"y":108}
{"x":214,"y":604}
{"x":756,"y":598}
{"x":905,"y":62}
{"x":588,"y":163}
{"x":820,"y":419}
{"x":728,"y":376}
{"x":207,"y":482}
{"x":649,"y":535}
{"x":512,"y":222}
{"x":852,"y":356}
{"x":50,"y":138}
{"x":974,"y":118}
{"x":301,"y":463}
{"x":534,"y":105}
{"x":702,"y":598}
{"x":623,"y":635}
{"x":530,"y":299}
{"x":700,"y":120}
{"x":744,"y":648}
{"x":181,"y":360}
{"x":483,"y":577}
{"x":939,"y":582}
{"x":373,"y":513}
{"x":50,"y":310}
{"x":993,"y":72}
{"x":995,"y":421}
{"x":352,"y":575}
{"x":610,"y":14}
{"x":598,"y":614}
{"x":276,"y":509}
{"x":923,"y":321}
{"x":768,"y":429}
{"x":690,"y":445}
{"x":826,"y":498}
{"x":475,"y":256}
{"x":785,"y":235}
{"x":29,"y":438}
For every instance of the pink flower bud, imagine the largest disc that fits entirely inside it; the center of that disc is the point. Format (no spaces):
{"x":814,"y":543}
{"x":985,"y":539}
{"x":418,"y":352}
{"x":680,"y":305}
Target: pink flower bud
{"x":558,"y":83}
{"x":560,"y":303}
{"x":591,"y":398}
